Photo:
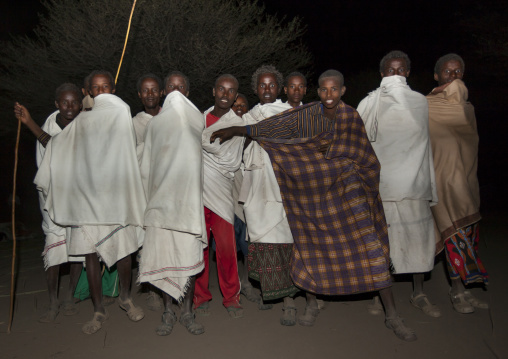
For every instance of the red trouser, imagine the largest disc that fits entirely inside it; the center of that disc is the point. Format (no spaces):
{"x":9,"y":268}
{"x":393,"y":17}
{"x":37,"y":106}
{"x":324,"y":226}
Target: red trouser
{"x":225,"y":246}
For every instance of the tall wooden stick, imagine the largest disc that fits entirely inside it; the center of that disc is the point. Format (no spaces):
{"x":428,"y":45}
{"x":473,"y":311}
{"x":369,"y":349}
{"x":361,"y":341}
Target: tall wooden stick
{"x":11,"y":308}
{"x":125,"y":44}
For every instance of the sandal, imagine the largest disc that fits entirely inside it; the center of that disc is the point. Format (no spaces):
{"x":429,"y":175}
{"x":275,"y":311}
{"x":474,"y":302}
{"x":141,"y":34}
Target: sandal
{"x":134,"y":313}
{"x":400,"y":330}
{"x":309,"y":317}
{"x":375,"y":308}
{"x":250,"y":293}
{"x":107,"y":300}
{"x":50,"y":315}
{"x":475,"y":302}
{"x":203,"y":309}
{"x":460,"y":304}
{"x":69,"y":308}
{"x":94,"y":325}
{"x":422,"y":302}
{"x":288,"y":317}
{"x":235,"y":311}
{"x":263,"y":306}
{"x":153,"y":301}
{"x":189,"y":322}
{"x":168,"y":321}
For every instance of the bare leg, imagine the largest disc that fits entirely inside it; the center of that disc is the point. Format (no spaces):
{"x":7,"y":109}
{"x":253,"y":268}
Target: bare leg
{"x":69,"y":307}
{"x":418,"y":284}
{"x":124,"y":267}
{"x":419,"y":299}
{"x":463,"y":300}
{"x":187,"y":318}
{"x":311,"y":311}
{"x":168,"y":317}
{"x":93,"y":274}
{"x":392,"y":319}
{"x":288,"y":317}
{"x":52,"y":274}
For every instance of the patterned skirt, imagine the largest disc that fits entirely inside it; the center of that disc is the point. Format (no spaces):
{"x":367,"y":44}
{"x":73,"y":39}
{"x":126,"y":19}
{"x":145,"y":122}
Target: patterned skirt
{"x":462,"y":256}
{"x":270,"y":264}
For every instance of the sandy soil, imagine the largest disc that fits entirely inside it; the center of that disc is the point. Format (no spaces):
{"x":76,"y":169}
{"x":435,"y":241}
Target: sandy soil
{"x":344,"y":328}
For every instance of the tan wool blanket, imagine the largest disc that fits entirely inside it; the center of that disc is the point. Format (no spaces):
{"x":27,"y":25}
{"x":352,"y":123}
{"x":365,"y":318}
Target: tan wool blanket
{"x":454,"y":140}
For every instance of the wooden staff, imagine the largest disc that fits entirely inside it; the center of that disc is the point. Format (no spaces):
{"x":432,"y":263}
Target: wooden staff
{"x":11,"y":309}
{"x":125,"y":44}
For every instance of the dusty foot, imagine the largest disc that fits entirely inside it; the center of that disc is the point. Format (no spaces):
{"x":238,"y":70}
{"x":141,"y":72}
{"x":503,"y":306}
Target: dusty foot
{"x":399,"y":329}
{"x":50,"y":315}
{"x":168,"y":321}
{"x":288,"y":317}
{"x":154,"y":301}
{"x":94,"y":325}
{"x":308,"y":319}
{"x":69,"y":308}
{"x":188,"y":320}
{"x":134,"y":313}
{"x":203,"y":310}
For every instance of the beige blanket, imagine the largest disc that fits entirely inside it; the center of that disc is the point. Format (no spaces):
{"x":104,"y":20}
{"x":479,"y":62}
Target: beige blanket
{"x":454,"y":140}
{"x":172,"y":173}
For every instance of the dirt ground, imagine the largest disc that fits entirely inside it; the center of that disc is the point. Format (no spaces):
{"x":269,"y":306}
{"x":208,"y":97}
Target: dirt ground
{"x":344,"y":328}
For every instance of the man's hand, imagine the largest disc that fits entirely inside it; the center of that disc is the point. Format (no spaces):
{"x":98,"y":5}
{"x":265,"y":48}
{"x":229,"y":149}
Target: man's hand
{"x":228,"y":133}
{"x":440,"y":89}
{"x":22,"y":113}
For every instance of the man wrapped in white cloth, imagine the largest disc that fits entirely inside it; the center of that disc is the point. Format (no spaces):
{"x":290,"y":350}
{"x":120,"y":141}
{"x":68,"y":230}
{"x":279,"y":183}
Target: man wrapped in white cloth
{"x":220,"y":164}
{"x":68,"y":101}
{"x":396,"y":121}
{"x":172,"y":175}
{"x":91,"y":183}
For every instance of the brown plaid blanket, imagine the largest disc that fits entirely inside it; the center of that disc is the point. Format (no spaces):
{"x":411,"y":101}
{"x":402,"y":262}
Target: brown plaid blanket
{"x":331,"y":199}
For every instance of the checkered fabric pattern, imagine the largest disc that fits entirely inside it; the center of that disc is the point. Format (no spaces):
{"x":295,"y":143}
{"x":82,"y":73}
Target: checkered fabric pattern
{"x":329,"y":183}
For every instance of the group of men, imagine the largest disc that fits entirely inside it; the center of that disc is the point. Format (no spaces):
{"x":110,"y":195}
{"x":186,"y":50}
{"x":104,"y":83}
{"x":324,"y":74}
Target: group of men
{"x":319,"y":197}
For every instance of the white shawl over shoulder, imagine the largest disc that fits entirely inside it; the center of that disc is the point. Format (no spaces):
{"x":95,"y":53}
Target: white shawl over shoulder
{"x":397,"y":124}
{"x":220,"y":164}
{"x":90,"y":174}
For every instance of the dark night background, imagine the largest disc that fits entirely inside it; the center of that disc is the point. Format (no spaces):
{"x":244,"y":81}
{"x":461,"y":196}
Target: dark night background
{"x":352,"y":36}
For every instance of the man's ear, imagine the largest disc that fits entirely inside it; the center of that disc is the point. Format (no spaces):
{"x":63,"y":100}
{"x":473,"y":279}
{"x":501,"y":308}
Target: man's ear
{"x":56,"y":104}
{"x":285,"y":90}
{"x":213,"y":92}
{"x":139,"y":94}
{"x":343,"y":91}
{"x":436,"y":77}
{"x":114,"y":90}
{"x":408,"y":73}
{"x":382,"y":75}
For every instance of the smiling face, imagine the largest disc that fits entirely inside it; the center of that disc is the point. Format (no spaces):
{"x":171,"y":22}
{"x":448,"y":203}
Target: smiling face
{"x":295,"y":90}
{"x":150,"y":94}
{"x":450,"y":71}
{"x":240,"y":106}
{"x":396,"y":66}
{"x":69,"y":105}
{"x":176,"y":83}
{"x":267,"y":89}
{"x":100,"y":84}
{"x":225,"y":93}
{"x":330,"y":92}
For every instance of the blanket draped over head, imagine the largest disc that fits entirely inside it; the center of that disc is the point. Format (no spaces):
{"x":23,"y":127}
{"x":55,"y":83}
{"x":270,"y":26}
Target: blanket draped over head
{"x":172,"y":174}
{"x":263,"y":208}
{"x":331,"y":200}
{"x":220,"y":164}
{"x":454,"y":138}
{"x":89,"y":174}
{"x":55,"y":246}
{"x":397,"y":124}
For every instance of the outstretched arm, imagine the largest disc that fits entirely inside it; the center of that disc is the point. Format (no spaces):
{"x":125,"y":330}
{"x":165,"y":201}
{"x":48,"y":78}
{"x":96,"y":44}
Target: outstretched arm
{"x":228,"y":133}
{"x":23,"y":115}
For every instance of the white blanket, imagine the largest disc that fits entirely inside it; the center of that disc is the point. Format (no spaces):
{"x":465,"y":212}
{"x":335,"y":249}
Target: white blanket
{"x":140,"y":121}
{"x":172,"y":175}
{"x":396,"y":120}
{"x":55,"y":244}
{"x":90,"y":174}
{"x":220,"y":164}
{"x":397,"y":124}
{"x":260,"y":193}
